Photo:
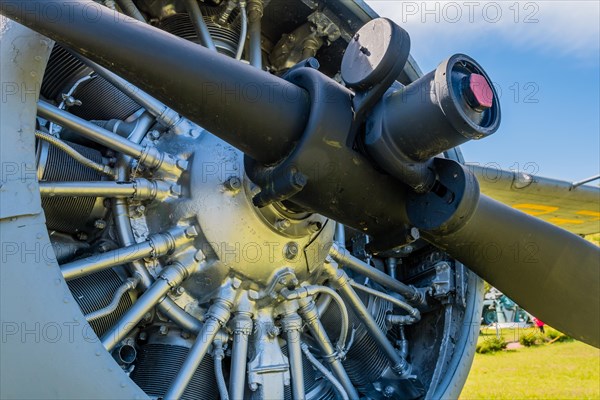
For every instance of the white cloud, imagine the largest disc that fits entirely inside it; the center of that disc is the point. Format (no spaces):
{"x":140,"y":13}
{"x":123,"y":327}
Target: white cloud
{"x":569,"y":28}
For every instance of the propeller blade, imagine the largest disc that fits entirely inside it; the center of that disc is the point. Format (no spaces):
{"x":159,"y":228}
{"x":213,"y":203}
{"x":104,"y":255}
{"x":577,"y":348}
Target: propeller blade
{"x":550,"y":272}
{"x":217,"y":92}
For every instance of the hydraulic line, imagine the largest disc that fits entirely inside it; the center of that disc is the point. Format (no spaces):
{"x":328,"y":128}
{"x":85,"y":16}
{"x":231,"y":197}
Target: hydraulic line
{"x":74,"y":154}
{"x":129,"y":284}
{"x":328,"y":375}
{"x":244,"y":31}
{"x":218,"y":355}
{"x":312,"y":290}
{"x":343,"y":256}
{"x":415,"y":315}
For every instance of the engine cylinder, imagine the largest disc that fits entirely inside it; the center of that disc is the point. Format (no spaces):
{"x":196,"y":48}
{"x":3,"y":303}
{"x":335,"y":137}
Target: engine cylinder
{"x":364,"y":347}
{"x":68,"y":214}
{"x":159,"y":362}
{"x":95,"y":291}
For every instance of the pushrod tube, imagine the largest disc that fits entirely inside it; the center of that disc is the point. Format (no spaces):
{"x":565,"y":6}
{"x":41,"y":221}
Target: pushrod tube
{"x":242,"y":328}
{"x":204,"y":86}
{"x":308,"y":312}
{"x":345,"y":258}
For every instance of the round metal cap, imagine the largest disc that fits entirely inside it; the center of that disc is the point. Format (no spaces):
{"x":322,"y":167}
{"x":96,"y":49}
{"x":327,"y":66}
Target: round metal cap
{"x":373,"y":53}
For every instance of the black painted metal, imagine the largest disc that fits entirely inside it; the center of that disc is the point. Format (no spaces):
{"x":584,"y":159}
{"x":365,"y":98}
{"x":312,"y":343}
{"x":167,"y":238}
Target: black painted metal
{"x":255,"y":111}
{"x":550,"y":272}
{"x":426,"y":118}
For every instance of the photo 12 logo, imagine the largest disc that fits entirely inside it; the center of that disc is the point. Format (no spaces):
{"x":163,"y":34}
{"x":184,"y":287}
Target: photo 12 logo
{"x":469,"y":11}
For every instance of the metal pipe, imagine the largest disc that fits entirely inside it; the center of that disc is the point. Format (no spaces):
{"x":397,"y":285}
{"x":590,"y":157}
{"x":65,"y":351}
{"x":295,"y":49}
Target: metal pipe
{"x":217,"y":316}
{"x":328,"y":375}
{"x":157,"y":245}
{"x":255,"y":14}
{"x":341,"y":280}
{"x":199,"y":25}
{"x":414,"y":312}
{"x":179,"y":75}
{"x":308,"y":311}
{"x":74,"y":154}
{"x":125,"y":234}
{"x":244,"y":31}
{"x":345,"y":258}
{"x":167,"y":117}
{"x":340,"y":235}
{"x":323,"y":303}
{"x":218,"y":355}
{"x":128,"y":285}
{"x":129,"y":8}
{"x":311,"y":291}
{"x":149,"y":156}
{"x":171,"y":277}
{"x":139,"y":189}
{"x":242,"y":328}
{"x":292,"y":326}
{"x":391,"y":264}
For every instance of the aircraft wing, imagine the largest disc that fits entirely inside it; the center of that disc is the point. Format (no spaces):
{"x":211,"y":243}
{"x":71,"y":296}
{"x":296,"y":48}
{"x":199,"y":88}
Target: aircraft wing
{"x":574,"y":208}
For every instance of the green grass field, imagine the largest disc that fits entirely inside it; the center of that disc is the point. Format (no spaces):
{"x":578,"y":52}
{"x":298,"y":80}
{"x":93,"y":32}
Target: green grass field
{"x":568,"y":370}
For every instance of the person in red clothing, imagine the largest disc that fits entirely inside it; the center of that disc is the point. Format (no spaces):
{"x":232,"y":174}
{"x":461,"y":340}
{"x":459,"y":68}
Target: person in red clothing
{"x":539,"y":324}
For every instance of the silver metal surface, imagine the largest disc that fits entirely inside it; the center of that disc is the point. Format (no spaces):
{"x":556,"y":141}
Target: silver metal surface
{"x":146,"y":155}
{"x":104,"y":169}
{"x":156,"y":246}
{"x":341,"y":280}
{"x":328,"y":375}
{"x":243,"y":258}
{"x":309,"y":314}
{"x":171,"y":277}
{"x":130,"y":284}
{"x":218,"y":315}
{"x":346,"y":259}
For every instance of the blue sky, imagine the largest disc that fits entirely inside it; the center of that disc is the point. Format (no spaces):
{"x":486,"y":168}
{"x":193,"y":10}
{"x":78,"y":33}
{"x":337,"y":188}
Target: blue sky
{"x":544,"y":56}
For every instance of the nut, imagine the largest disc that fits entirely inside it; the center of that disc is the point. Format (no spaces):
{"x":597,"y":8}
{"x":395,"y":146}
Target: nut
{"x":233,"y":184}
{"x":291,"y":250}
{"x":100,"y":224}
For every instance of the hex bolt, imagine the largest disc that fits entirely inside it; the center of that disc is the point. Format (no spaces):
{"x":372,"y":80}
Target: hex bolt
{"x":314,"y":226}
{"x":283,"y":224}
{"x":182,"y":164}
{"x":407,"y":249}
{"x":199,"y":256}
{"x":388,"y":391}
{"x":273,"y":331}
{"x":291,"y":250}
{"x":100,"y":224}
{"x":143,"y":336}
{"x":191,"y":231}
{"x":163,"y":330}
{"x":139,"y":210}
{"x":233,"y":184}
{"x":175,"y":190}
{"x":154,"y":134}
{"x":179,"y":291}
